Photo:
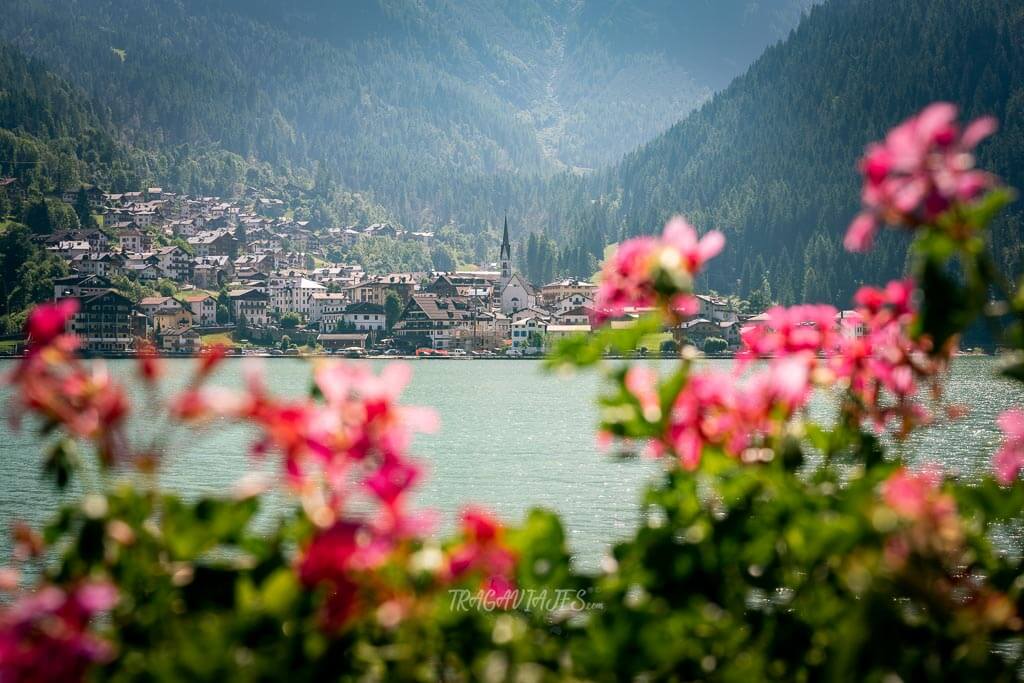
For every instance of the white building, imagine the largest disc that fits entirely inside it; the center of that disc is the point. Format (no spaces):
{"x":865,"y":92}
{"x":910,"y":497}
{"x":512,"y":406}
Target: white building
{"x":573,"y":301}
{"x":292,"y":293}
{"x":517,"y":294}
{"x":204,"y":308}
{"x":326,"y":308}
{"x":133,"y":241}
{"x":365,"y":317}
{"x":715,"y":310}
{"x":522,"y":331}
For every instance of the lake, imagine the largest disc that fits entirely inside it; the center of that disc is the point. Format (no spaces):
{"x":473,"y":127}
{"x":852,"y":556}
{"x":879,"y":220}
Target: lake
{"x":511,"y":438}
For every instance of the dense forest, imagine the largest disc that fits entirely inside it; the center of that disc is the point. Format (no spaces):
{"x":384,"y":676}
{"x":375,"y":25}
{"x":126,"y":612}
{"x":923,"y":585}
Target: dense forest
{"x":393,"y":100}
{"x":446,"y":115}
{"x":771,"y":160}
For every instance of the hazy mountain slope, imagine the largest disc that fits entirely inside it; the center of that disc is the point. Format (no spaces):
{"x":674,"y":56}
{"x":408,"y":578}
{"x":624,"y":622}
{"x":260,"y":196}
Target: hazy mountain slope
{"x":51,"y":136}
{"x":633,"y":68}
{"x":393,"y":96}
{"x":771,"y":160}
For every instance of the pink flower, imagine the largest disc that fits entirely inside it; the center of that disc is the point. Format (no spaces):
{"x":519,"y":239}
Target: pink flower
{"x":483,"y":551}
{"x":642,"y":383}
{"x":716,"y":410}
{"x":332,"y":558}
{"x":924,"y":166}
{"x":885,"y":366}
{"x":150,"y":366}
{"x":392,"y":479}
{"x":805,"y":328}
{"x":480,"y":525}
{"x":1009,"y":459}
{"x":209,"y":358}
{"x":44,"y":636}
{"x":861,"y":233}
{"x":626,"y":279}
{"x":47,"y":321}
{"x":930,"y":526}
{"x":82,"y":400}
{"x":910,"y":493}
{"x":655,"y":271}
{"x":682,"y":237}
{"x":882,"y":367}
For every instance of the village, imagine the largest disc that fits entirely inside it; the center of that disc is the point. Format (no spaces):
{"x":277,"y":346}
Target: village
{"x":243,"y":274}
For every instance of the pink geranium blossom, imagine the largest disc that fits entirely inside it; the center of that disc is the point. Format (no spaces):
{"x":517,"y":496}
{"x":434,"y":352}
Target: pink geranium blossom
{"x":885,"y":367}
{"x":910,"y":493}
{"x":47,"y":321}
{"x":484,"y":552}
{"x":715,"y":409}
{"x":881,"y":368}
{"x":798,"y":329}
{"x":44,"y":636}
{"x":642,"y":383}
{"x":646,"y":272}
{"x":922,"y":168}
{"x":930,"y":522}
{"x":83,"y":400}
{"x":1009,"y":459}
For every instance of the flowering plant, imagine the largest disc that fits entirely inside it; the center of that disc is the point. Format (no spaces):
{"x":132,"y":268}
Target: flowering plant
{"x":772,"y":546}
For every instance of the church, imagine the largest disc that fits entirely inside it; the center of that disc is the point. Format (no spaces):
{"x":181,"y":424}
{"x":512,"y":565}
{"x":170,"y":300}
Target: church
{"x":515,"y":292}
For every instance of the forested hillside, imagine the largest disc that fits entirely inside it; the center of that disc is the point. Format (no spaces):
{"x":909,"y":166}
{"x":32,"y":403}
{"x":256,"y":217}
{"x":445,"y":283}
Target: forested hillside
{"x":395,"y":99}
{"x":771,"y":161}
{"x":51,"y":138}
{"x":632,"y":69}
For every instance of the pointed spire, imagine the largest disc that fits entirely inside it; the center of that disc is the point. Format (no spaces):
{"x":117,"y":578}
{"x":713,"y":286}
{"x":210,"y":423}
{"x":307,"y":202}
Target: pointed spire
{"x":506,"y":248}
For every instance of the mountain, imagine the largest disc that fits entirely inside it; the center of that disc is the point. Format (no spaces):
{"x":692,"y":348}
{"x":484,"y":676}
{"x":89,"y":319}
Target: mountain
{"x":631,"y":69}
{"x":51,"y":137}
{"x":54,"y":137}
{"x":395,"y":99}
{"x":771,"y":160}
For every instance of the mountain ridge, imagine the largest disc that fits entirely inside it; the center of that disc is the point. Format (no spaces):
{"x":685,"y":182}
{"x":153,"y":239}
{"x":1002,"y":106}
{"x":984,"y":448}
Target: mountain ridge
{"x":384,"y":94}
{"x":771,"y":159}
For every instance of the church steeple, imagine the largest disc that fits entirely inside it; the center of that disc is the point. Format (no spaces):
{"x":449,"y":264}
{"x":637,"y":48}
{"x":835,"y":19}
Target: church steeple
{"x":506,"y":248}
{"x":505,"y":255}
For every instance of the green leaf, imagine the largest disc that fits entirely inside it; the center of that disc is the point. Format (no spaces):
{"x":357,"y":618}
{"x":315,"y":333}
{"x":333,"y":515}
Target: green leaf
{"x":279,"y":592}
{"x":982,"y":212}
{"x":191,"y":529}
{"x":588,"y":349}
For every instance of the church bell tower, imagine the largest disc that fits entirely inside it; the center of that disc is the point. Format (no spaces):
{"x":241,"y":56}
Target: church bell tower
{"x":505,"y":257}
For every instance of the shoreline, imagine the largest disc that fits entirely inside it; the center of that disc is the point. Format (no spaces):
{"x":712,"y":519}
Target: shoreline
{"x":536,"y":357}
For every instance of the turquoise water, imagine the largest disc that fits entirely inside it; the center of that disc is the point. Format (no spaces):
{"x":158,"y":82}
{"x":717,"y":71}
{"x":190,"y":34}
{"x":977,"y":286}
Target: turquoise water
{"x":511,"y":438}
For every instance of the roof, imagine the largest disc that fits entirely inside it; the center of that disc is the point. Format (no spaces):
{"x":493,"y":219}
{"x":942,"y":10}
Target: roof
{"x":81,"y":279}
{"x":523,"y":282}
{"x":524,"y":322}
{"x":365,"y":307}
{"x":442,"y":307}
{"x":578,"y":310}
{"x":251,"y":294}
{"x":105,"y":293}
{"x":571,"y":282}
{"x":181,"y":332}
{"x":209,"y":237}
{"x":157,"y":300}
